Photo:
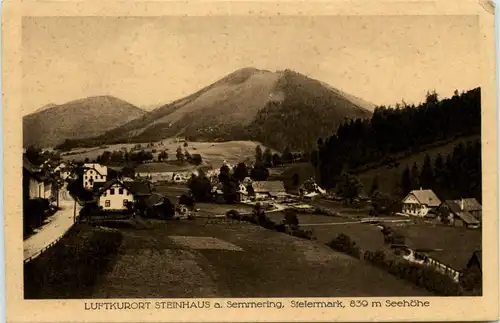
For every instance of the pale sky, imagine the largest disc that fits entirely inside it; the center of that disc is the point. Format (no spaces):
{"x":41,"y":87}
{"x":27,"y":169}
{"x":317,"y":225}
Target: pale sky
{"x":153,"y":60}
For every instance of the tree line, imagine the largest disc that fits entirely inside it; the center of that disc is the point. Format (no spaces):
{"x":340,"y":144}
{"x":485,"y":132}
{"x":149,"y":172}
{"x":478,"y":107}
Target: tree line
{"x":392,"y":130}
{"x":455,"y":176}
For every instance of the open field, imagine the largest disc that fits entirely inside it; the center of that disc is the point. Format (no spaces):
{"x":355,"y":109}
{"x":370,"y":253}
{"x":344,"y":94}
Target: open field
{"x":171,"y":191}
{"x":389,"y":177}
{"x":211,"y":209}
{"x":215,"y":258}
{"x":366,"y":236}
{"x":212,"y":153}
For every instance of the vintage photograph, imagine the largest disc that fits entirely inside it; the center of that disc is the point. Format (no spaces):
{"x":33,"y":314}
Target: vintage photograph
{"x":279,"y":156}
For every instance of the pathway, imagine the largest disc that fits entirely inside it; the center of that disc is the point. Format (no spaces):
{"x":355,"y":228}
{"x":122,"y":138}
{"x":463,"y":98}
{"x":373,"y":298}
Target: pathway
{"x":381,"y":220}
{"x":58,"y":225}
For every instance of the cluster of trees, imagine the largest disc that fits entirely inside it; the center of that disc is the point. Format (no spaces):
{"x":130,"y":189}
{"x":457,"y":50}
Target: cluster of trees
{"x":267,"y":159}
{"x":185,"y":156}
{"x":37,"y":157}
{"x":35,"y":211}
{"x":458,"y":175}
{"x":201,"y":187}
{"x":124,"y":156}
{"x":345,"y":244}
{"x":349,"y":188}
{"x":229,"y":179}
{"x":405,"y":128}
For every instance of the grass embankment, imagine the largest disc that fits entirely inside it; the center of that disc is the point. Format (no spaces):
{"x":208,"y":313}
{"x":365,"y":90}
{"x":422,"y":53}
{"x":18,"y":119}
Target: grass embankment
{"x":70,"y":268}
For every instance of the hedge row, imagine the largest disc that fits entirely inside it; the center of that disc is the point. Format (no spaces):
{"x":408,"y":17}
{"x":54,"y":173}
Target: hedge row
{"x":420,"y":275}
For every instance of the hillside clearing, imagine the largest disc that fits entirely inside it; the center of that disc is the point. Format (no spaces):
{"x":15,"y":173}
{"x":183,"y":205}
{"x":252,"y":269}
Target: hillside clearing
{"x":212,"y":153}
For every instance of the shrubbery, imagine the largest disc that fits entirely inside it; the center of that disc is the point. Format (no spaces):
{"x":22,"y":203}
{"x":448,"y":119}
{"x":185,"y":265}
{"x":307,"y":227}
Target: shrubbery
{"x":325,"y":211}
{"x":420,"y":275}
{"x":300,"y":233}
{"x":344,"y":243}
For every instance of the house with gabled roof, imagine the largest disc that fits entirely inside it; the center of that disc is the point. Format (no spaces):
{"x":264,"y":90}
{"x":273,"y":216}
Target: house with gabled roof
{"x":268,"y":190}
{"x":420,"y":202}
{"x":461,"y":213}
{"x":94,"y":173}
{"x":113,"y":195}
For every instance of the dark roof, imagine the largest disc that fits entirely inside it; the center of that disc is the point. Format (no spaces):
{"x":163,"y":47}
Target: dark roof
{"x":478,"y":256}
{"x":140,"y":188}
{"x":456,"y":208}
{"x":469,"y":204}
{"x":102,"y":187}
{"x":27,"y":165}
{"x":154,"y":199}
{"x":34,"y":171}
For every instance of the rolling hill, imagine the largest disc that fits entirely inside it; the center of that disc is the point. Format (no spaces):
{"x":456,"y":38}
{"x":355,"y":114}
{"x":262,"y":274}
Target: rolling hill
{"x":279,"y":109}
{"x":76,"y":119}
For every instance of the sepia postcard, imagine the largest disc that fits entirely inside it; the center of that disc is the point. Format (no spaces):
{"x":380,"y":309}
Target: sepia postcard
{"x":215,"y":161}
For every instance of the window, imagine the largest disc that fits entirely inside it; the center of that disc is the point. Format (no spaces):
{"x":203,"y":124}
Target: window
{"x":107,"y":203}
{"x":85,"y":176}
{"x":120,"y":191}
{"x":112,"y":191}
{"x":125,"y":202}
{"x":91,"y":177}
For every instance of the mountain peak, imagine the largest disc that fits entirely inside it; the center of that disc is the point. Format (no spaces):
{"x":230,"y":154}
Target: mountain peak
{"x":85,"y":117}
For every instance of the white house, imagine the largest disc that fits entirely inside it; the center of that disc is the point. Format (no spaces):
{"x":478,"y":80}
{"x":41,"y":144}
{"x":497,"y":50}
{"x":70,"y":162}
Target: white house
{"x":179,"y":178}
{"x":94,"y":173}
{"x":114,"y":196}
{"x":420,"y":202}
{"x":242,"y":192}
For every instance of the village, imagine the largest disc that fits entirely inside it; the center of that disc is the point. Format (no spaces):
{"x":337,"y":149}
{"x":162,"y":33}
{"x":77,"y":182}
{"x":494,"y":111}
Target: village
{"x":441,"y":235}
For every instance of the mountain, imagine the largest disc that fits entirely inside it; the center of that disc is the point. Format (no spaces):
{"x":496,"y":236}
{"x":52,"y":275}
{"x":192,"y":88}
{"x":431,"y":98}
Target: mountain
{"x":150,"y":107}
{"x":283,"y":108}
{"x":83,"y":118}
{"x":45,"y":107}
